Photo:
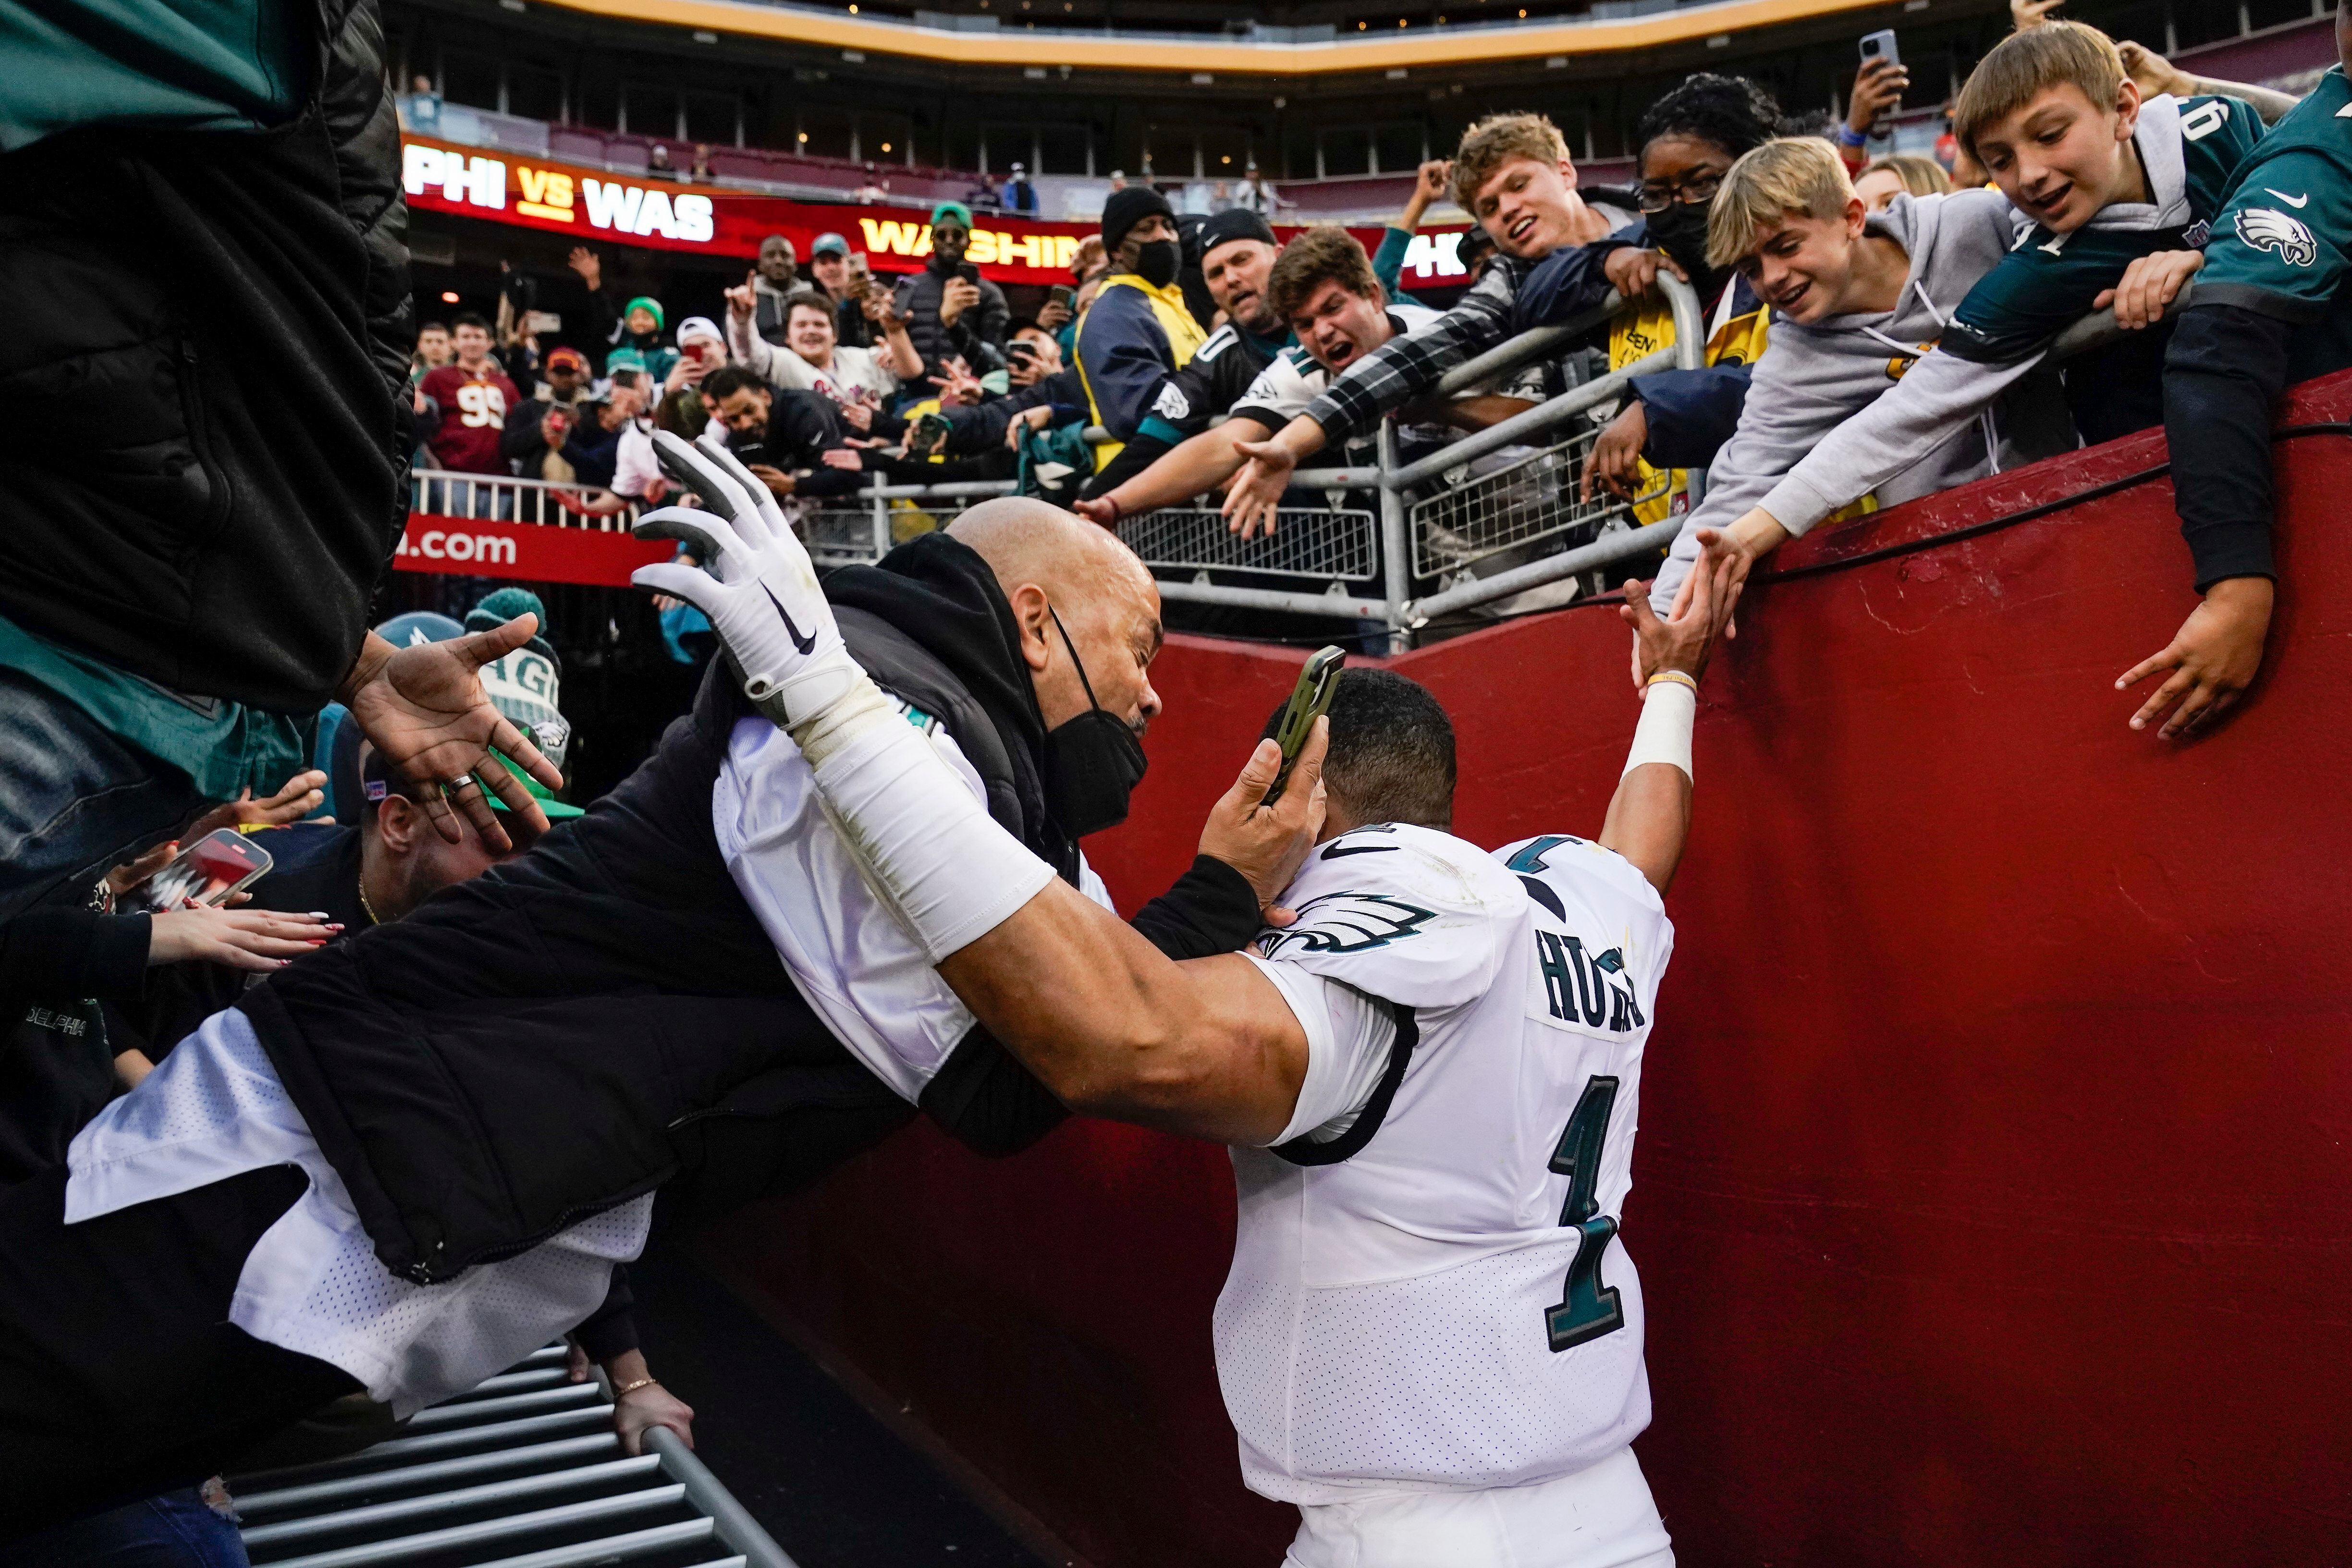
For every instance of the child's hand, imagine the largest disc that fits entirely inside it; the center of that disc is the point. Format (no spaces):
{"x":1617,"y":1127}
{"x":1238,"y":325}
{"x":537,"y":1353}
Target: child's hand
{"x":2148,"y":285}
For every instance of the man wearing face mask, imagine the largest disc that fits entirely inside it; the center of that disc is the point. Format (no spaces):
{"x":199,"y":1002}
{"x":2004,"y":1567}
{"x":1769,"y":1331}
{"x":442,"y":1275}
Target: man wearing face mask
{"x":1139,"y":334}
{"x":689,"y":989}
{"x":1673,"y":420}
{"x":1237,"y":253}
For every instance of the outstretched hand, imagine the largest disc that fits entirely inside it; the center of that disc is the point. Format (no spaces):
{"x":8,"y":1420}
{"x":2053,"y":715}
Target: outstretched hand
{"x":257,"y":940}
{"x":423,"y":707}
{"x":2213,"y":659}
{"x":1254,"y":500}
{"x":1268,"y":843}
{"x":1686,"y":636}
{"x":296,"y":799}
{"x":760,"y":594}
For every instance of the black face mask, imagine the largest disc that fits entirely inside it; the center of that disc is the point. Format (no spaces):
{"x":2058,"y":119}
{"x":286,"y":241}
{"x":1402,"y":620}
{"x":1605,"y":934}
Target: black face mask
{"x":1681,"y":232}
{"x":1093,"y":762}
{"x":1157,"y":261}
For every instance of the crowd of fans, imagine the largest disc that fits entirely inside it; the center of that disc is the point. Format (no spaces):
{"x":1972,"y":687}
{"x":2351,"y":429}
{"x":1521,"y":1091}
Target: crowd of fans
{"x":1195,"y":355}
{"x":1876,"y":327}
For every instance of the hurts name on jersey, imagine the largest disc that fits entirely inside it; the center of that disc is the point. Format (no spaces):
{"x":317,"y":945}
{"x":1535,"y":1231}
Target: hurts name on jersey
{"x":1590,"y":989}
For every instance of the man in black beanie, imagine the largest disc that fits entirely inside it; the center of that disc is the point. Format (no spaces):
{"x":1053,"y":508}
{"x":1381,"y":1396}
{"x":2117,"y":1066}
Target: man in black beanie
{"x":1138,"y":335}
{"x":1238,"y":252}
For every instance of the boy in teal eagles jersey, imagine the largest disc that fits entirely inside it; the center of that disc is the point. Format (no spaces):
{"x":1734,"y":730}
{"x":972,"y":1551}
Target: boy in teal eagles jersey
{"x":2118,"y":195}
{"x":2110,"y":183}
{"x":2272,"y":306}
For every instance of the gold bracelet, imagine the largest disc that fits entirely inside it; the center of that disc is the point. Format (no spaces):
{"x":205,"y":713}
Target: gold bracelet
{"x":1677,"y":676}
{"x":629,"y":1388}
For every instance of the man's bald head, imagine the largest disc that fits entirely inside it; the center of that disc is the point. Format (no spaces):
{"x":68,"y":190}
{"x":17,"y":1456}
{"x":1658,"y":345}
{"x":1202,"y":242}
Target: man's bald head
{"x":1028,"y":540}
{"x":1049,"y":563}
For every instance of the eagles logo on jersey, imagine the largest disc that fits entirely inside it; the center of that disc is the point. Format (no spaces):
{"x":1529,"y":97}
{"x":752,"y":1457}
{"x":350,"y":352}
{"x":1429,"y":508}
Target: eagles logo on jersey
{"x":2267,"y":228}
{"x":1348,"y":922}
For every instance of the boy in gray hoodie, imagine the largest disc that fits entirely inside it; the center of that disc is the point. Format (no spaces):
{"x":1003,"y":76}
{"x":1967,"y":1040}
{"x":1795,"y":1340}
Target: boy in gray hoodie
{"x":1857,"y":298}
{"x":2117,"y":197}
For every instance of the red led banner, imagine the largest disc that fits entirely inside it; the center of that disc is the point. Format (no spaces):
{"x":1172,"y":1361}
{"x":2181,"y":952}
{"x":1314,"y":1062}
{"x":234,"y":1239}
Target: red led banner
{"x":523,"y":552}
{"x":594,"y":204}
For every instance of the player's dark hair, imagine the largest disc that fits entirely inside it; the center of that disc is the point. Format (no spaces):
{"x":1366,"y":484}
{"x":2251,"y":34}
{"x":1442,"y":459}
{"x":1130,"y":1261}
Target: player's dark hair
{"x":469,"y":319}
{"x":729,"y":379}
{"x":1729,"y":111}
{"x":1391,"y":756}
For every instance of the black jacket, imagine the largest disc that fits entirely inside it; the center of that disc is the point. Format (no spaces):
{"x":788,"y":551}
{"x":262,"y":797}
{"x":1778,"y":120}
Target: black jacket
{"x":978,"y":334}
{"x":313,"y":865}
{"x":206,"y":392}
{"x":57,"y":1067}
{"x":605,"y":1014}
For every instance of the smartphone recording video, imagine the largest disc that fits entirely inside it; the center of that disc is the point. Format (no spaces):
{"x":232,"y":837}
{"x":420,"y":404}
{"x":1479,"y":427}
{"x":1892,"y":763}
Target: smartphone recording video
{"x":209,"y":871}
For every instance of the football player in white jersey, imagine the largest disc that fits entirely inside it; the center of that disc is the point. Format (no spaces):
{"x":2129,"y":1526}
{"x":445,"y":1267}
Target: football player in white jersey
{"x":1431,"y":1339}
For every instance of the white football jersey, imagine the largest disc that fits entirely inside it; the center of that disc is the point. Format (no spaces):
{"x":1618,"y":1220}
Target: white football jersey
{"x":1435,"y":1298}
{"x":844,"y":949}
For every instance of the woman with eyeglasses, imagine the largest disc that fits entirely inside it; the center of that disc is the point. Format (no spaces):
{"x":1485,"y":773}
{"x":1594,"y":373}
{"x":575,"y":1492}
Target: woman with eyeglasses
{"x":1672,"y":420}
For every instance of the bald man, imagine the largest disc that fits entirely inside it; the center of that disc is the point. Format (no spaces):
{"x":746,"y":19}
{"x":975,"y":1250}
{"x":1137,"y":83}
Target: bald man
{"x":411,"y":1159}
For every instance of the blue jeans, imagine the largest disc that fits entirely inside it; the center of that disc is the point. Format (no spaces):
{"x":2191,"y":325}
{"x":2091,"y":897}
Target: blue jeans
{"x":74,"y":800}
{"x":175,"y":1530}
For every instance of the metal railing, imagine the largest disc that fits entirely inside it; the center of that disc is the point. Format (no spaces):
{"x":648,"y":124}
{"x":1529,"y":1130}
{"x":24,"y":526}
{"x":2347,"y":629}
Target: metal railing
{"x":523,"y":1471}
{"x":503,"y":498}
{"x":1477,"y":519}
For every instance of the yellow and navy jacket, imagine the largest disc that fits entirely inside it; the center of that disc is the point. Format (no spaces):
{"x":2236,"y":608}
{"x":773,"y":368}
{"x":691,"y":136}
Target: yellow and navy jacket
{"x":1131,"y":342}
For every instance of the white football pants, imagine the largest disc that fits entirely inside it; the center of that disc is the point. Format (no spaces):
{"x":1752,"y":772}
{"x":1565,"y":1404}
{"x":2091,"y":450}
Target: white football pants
{"x":1601,"y":1517}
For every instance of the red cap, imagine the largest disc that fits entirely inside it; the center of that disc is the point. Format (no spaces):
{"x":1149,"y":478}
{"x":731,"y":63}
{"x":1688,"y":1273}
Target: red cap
{"x":570,"y":356}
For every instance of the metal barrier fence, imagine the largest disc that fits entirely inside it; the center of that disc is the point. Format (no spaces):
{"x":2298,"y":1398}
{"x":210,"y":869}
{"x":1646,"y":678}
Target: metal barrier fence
{"x":523,"y":1471}
{"x":503,"y":498}
{"x":1477,"y":520}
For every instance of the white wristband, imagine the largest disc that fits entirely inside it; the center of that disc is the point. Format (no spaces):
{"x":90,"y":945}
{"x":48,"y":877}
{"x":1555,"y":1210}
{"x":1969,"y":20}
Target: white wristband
{"x":926,"y":845}
{"x":1669,"y":708}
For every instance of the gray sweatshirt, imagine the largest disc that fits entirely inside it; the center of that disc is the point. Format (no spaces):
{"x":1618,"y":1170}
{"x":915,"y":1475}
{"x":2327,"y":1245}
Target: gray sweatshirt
{"x":1944,"y":393}
{"x":1812,"y":379}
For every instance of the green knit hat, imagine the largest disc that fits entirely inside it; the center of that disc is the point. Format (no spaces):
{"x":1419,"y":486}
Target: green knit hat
{"x":955,"y":210}
{"x":647,"y":302}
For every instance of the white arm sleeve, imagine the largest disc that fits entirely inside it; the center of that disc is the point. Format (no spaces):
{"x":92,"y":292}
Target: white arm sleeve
{"x":1349,"y":1038}
{"x":847,"y":952}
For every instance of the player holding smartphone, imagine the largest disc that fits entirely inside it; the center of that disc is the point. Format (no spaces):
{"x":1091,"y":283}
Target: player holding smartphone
{"x":1431,"y":1339}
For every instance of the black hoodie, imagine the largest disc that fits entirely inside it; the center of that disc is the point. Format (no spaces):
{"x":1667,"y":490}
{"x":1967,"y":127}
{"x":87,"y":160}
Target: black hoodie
{"x":605,"y":1014}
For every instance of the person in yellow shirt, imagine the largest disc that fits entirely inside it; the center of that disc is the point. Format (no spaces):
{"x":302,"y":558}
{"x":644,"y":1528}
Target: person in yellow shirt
{"x":1673,"y":420}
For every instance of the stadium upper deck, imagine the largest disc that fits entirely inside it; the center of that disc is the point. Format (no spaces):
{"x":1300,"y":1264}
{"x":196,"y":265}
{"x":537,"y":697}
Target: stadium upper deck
{"x":1182,"y":90}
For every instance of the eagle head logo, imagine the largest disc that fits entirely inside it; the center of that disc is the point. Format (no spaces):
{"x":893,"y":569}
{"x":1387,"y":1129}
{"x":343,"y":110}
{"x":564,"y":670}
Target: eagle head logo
{"x":2266,"y":228}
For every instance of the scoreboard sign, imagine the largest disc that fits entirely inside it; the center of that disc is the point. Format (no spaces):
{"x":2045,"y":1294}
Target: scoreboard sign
{"x":626,"y":209}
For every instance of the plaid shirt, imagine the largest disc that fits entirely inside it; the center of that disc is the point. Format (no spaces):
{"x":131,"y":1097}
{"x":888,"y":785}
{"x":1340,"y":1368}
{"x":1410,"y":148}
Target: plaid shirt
{"x":1404,"y":368}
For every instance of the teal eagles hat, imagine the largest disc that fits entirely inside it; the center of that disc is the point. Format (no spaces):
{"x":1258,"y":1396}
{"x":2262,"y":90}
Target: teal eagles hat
{"x":828,"y":245}
{"x":377,"y":780}
{"x":955,"y":210}
{"x":526,"y":684}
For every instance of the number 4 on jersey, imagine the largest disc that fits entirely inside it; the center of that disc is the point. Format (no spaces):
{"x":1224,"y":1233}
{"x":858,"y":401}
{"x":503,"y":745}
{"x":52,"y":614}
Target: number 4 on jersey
{"x":1588,"y":1309}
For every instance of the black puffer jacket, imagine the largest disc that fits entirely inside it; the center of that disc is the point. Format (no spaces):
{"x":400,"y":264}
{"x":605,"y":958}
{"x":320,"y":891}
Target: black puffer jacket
{"x":205,"y":469}
{"x":605,"y":1014}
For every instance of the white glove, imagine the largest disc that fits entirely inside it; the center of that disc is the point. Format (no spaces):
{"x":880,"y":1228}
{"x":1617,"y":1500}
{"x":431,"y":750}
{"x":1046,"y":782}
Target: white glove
{"x":764,"y":604}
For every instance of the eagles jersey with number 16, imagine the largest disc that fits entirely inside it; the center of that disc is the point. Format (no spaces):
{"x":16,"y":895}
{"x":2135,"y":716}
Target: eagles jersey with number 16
{"x":1428,"y":1292}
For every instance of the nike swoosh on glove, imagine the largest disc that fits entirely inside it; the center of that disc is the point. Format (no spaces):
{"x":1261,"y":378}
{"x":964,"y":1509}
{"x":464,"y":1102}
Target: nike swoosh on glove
{"x":764,"y":602}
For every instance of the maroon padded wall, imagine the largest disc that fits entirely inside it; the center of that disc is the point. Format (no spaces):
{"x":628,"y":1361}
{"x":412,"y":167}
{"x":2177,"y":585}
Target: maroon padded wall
{"x":1991,"y":1192}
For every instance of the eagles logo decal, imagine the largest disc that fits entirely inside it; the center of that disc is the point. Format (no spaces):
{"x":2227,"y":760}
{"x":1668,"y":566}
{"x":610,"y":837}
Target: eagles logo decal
{"x":1348,"y":922}
{"x":2267,"y":228}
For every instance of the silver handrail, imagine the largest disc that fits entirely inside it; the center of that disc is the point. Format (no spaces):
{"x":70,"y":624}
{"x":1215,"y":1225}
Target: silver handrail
{"x":483,"y":1485}
{"x":1394,"y":482}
